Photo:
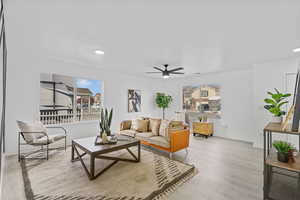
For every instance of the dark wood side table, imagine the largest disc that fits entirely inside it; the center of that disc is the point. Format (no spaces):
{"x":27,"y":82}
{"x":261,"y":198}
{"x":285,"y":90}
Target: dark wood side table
{"x":270,"y":158}
{"x":87,"y":145}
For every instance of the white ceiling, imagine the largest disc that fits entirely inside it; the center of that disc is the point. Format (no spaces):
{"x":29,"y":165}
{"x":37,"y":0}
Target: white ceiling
{"x":201,"y":36}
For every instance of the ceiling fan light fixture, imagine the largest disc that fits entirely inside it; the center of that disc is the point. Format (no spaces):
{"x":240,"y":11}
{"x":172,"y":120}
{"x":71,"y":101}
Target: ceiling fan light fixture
{"x":99,"y":52}
{"x":166,"y":76}
{"x":296,"y":50}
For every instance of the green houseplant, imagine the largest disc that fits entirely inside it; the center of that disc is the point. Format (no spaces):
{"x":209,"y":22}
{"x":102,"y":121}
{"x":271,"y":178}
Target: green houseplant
{"x":105,"y":121}
{"x":274,"y":104}
{"x":163,"y":101}
{"x":284,"y":149}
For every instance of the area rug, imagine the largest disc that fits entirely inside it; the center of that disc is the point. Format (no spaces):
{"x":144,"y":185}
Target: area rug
{"x":154,"y":177}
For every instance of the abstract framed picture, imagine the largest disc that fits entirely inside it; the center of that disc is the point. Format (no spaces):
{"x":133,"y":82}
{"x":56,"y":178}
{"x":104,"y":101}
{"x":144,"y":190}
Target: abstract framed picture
{"x":134,"y":101}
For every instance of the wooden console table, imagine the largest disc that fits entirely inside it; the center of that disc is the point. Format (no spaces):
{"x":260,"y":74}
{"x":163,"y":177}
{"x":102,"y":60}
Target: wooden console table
{"x":270,"y":158}
{"x":203,"y":128}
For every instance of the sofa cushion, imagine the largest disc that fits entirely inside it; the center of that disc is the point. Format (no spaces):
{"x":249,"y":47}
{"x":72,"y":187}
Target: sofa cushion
{"x":140,"y":125}
{"x":175,"y":124}
{"x":32,"y":127}
{"x":160,"y":141}
{"x":144,"y":135}
{"x":163,"y":129}
{"x":130,"y":133}
{"x":49,"y":140}
{"x":154,"y":125}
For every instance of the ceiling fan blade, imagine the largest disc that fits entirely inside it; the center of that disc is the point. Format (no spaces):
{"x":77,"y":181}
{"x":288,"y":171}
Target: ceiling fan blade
{"x":153,"y":72}
{"x":176,"y":69}
{"x":176,"y":72}
{"x":158,"y":69}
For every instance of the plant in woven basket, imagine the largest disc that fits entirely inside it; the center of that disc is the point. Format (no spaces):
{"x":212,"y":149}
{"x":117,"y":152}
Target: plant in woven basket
{"x":284,"y":149}
{"x":105,"y":121}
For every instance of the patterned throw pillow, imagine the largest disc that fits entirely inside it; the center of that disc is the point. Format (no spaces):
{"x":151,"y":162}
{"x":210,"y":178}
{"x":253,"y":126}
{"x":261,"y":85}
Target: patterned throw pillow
{"x":154,"y":125}
{"x":134,"y":124}
{"x":163,"y":130}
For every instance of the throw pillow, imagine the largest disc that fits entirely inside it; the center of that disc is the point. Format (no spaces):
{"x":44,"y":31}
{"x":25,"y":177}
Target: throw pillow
{"x":126,"y":125}
{"x":143,"y":125}
{"x":139,"y":125}
{"x":134,"y":124}
{"x":163,"y":130}
{"x":154,"y":125}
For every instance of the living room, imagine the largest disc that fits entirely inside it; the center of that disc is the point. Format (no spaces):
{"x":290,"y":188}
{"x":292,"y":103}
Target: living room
{"x":243,"y":49}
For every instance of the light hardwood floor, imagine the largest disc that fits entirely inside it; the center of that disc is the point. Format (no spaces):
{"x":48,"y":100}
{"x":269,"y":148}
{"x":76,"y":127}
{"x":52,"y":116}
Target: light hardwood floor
{"x":228,"y":170}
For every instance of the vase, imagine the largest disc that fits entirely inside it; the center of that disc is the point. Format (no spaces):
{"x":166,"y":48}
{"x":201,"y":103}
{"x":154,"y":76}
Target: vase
{"x":283,"y":157}
{"x":276,"y":119}
{"x":104,"y":138}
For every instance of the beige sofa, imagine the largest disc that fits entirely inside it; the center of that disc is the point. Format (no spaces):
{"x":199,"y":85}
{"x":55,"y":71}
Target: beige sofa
{"x":176,"y":137}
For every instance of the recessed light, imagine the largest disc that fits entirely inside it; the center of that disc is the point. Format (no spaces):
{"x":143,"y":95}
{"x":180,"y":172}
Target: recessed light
{"x":99,"y":52}
{"x":296,"y":50}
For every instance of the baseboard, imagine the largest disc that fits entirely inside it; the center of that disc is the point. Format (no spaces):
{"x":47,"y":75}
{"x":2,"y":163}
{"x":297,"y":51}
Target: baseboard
{"x":2,"y":174}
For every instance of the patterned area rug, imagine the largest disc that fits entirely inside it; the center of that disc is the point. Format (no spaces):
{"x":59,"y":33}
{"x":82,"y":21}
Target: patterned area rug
{"x":59,"y":179}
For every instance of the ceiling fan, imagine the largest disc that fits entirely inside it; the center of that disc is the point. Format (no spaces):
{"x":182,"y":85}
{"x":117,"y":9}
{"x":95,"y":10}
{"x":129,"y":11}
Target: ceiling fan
{"x":165,"y":72}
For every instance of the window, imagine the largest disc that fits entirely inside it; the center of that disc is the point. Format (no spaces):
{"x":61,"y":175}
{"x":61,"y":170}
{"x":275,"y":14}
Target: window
{"x":65,"y":99}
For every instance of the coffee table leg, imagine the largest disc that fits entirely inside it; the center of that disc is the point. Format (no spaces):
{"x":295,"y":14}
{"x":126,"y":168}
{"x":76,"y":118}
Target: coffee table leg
{"x":92,"y":167}
{"x":72,"y":152}
{"x":139,"y":152}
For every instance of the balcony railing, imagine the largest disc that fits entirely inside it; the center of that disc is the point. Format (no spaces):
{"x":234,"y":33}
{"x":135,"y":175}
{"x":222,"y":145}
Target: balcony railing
{"x":62,"y":117}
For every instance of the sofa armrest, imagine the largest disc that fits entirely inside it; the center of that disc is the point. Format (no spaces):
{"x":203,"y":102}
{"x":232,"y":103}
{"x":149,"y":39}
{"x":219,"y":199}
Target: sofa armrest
{"x":179,"y":139}
{"x":125,"y":125}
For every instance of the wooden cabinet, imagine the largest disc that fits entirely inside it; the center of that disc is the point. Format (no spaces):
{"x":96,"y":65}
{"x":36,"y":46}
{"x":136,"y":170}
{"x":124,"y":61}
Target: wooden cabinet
{"x":203,"y":128}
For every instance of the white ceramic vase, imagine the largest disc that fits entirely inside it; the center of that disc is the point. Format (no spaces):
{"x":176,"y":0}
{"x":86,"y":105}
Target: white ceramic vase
{"x":104,"y":138}
{"x":276,"y":119}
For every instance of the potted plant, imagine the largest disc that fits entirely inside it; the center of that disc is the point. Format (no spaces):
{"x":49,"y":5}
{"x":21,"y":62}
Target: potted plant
{"x":275,"y":103}
{"x":163,"y":101}
{"x":284,"y":150}
{"x":105,"y":122}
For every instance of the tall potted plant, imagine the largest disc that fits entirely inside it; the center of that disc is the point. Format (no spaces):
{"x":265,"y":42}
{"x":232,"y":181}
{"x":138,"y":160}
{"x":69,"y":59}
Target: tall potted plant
{"x":274,"y":104}
{"x":163,"y":101}
{"x":105,"y":121}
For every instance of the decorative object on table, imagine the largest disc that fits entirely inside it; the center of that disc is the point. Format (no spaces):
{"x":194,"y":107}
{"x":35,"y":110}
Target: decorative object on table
{"x":284,"y":150}
{"x":163,"y":101}
{"x":275,"y":103}
{"x":109,"y":140}
{"x":154,"y":177}
{"x":202,"y":99}
{"x":296,"y":103}
{"x":134,"y":101}
{"x":105,"y":121}
{"x":202,"y":118}
{"x":203,"y":128}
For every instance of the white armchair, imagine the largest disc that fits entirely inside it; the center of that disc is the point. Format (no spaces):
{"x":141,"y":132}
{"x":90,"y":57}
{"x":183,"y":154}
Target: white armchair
{"x":36,"y":134}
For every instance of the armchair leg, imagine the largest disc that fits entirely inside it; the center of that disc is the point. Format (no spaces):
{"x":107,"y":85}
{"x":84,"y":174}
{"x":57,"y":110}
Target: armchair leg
{"x":19,"y":156}
{"x":47,"y":152}
{"x":65,"y":143}
{"x":171,"y":155}
{"x":187,"y":151}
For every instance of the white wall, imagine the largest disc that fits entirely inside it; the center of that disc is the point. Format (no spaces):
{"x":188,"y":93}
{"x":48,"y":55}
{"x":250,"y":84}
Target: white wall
{"x":23,"y":95}
{"x":236,"y":94}
{"x":266,"y":77}
{"x":242,"y":92}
